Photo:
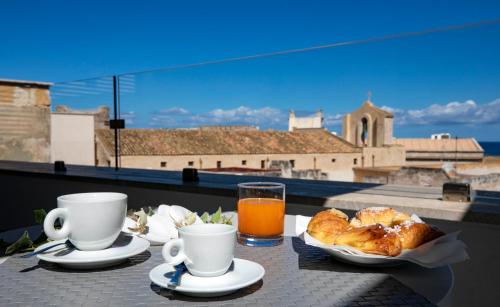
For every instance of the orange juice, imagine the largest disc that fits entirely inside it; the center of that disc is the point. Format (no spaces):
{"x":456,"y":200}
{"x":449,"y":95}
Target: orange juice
{"x":261,"y":217}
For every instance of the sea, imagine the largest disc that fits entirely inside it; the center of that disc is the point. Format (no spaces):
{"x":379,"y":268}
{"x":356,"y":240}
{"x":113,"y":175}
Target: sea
{"x":491,"y":148}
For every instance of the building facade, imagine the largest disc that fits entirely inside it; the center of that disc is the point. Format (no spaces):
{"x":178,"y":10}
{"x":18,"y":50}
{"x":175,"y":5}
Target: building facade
{"x":73,"y":134}
{"x":307,"y":122}
{"x":24,"y":121}
{"x":420,"y":151}
{"x":314,"y":150}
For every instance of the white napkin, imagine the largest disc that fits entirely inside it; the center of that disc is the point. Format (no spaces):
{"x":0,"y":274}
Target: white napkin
{"x":161,"y":225}
{"x":444,"y":250}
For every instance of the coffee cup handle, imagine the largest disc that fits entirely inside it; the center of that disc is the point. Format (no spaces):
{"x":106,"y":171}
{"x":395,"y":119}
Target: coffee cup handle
{"x":167,"y":252}
{"x":48,"y":224}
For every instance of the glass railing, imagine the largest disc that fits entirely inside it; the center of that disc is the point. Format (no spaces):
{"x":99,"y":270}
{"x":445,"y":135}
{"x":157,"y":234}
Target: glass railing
{"x":409,"y":111}
{"x":79,"y":109}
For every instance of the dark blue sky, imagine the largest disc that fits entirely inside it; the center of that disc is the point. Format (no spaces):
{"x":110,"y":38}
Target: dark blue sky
{"x":444,"y":82}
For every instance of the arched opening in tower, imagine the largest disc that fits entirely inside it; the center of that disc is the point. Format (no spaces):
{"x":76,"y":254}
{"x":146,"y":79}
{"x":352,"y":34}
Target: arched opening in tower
{"x":364,"y":131}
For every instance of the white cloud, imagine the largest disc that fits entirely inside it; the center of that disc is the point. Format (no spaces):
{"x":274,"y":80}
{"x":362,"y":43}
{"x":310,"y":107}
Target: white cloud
{"x":333,"y":120}
{"x":179,"y":117}
{"x":248,"y":116}
{"x":129,"y":117}
{"x":174,"y":111}
{"x":453,"y":113}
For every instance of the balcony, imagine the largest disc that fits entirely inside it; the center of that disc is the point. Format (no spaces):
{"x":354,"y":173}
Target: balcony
{"x":304,"y":117}
{"x":476,"y":221}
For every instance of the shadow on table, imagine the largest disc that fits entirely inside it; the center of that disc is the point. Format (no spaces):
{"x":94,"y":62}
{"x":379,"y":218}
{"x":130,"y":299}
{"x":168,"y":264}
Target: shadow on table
{"x":175,"y":296}
{"x":132,"y":261}
{"x":385,"y":286}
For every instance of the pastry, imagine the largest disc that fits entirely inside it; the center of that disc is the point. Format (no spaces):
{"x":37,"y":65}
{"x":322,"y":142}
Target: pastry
{"x":375,"y":230}
{"x":373,"y":239}
{"x":326,"y":225}
{"x":378,"y":215}
{"x":414,"y":234}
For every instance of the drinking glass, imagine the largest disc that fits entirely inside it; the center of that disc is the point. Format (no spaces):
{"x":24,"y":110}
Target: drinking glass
{"x":261,"y":213}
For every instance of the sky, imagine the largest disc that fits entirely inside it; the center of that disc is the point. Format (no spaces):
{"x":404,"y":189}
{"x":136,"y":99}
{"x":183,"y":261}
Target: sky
{"x":441,"y":82}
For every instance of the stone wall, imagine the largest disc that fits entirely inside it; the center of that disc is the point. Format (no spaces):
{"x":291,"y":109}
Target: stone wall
{"x":288,"y":172}
{"x":325,"y":163}
{"x":383,"y":156}
{"x":24,"y":121}
{"x":429,"y":177}
{"x":489,"y":182}
{"x":422,"y":176}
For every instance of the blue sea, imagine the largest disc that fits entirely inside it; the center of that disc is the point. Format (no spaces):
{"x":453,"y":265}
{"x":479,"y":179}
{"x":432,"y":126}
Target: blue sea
{"x":491,"y":148}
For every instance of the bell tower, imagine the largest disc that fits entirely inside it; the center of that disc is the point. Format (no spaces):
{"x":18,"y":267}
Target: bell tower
{"x":368,"y":126}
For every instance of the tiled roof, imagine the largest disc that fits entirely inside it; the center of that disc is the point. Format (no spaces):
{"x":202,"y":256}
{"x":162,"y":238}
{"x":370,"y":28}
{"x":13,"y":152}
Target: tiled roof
{"x":443,"y":145}
{"x":138,"y":142}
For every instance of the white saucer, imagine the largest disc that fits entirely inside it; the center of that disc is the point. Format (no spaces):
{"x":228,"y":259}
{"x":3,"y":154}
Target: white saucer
{"x":124,"y":247}
{"x":242,"y":274}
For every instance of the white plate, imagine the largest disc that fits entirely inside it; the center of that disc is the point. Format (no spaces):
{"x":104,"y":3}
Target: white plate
{"x":364,"y":260}
{"x":124,"y":247}
{"x":242,"y":274}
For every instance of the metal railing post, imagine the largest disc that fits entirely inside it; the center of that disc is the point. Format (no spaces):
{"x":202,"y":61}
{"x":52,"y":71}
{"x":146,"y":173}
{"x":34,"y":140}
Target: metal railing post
{"x":115,"y":106}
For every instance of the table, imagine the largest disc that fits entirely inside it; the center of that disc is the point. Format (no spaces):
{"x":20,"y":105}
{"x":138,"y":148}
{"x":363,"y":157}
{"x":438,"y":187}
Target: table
{"x":296,"y":274}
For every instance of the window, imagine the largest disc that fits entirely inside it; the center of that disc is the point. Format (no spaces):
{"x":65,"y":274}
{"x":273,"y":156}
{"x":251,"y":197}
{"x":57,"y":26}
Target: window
{"x":292,"y":163}
{"x":355,"y":161}
{"x":243,"y":162}
{"x":333,"y":160}
{"x":191,"y":163}
{"x":219,"y":164}
{"x":262,"y":163}
{"x":163,"y":164}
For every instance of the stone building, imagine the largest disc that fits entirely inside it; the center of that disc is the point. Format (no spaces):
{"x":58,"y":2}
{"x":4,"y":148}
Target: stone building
{"x":426,"y":151}
{"x":24,"y":121}
{"x":73,"y":134}
{"x":368,"y":126}
{"x":371,"y":128}
{"x":307,"y":122}
{"x":311,"y":151}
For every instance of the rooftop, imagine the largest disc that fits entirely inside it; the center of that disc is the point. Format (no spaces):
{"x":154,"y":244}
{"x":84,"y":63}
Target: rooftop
{"x":137,"y":142}
{"x":442,"y":145}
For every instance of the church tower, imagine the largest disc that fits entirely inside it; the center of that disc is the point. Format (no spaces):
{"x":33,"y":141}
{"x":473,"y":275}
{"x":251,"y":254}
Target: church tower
{"x":368,"y":126}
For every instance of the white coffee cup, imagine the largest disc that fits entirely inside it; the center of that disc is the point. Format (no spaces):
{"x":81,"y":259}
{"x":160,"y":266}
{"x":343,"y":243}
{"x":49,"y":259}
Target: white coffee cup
{"x":91,"y":221}
{"x":206,"y":249}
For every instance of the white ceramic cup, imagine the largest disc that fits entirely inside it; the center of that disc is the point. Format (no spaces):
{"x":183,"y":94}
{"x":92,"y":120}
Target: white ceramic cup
{"x":206,"y":249}
{"x":91,"y":221}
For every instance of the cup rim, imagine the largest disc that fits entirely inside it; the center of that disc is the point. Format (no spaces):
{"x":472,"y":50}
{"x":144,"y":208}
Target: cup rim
{"x":261,"y":185}
{"x":185,"y":229}
{"x":80,"y":197}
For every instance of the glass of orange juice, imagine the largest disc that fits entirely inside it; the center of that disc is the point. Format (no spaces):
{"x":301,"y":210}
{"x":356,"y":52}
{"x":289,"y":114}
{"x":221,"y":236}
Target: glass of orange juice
{"x":261,"y":213}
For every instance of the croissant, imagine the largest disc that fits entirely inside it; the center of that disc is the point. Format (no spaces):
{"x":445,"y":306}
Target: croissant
{"x":413,"y":234}
{"x":376,"y":230}
{"x":373,"y":239}
{"x":378,"y":215}
{"x":326,"y":225}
